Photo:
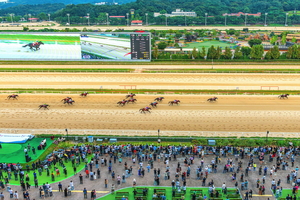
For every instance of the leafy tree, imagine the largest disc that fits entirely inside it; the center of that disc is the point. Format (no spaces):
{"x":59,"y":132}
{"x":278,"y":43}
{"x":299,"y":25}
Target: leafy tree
{"x":42,"y":16}
{"x":202,"y":54}
{"x":246,"y":51}
{"x":195,"y":53}
{"x":25,"y":29}
{"x":237,"y":33}
{"x":293,"y":52}
{"x":274,"y":52}
{"x":162,"y":45}
{"x":230,"y":32}
{"x":238,"y":53}
{"x":178,"y":35}
{"x":274,"y":39}
{"x":101,"y":18}
{"x":253,"y":42}
{"x":212,"y":53}
{"x":268,"y":55}
{"x":219,"y":52}
{"x":294,"y":40}
{"x":257,"y":52}
{"x":283,"y":39}
{"x":227,"y":54}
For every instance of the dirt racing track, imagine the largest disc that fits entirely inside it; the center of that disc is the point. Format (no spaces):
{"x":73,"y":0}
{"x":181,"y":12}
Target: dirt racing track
{"x":100,"y":111}
{"x":229,"y":113}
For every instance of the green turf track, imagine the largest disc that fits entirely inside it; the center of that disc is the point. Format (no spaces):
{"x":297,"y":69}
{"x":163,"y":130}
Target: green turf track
{"x":44,"y":178}
{"x":46,"y":39}
{"x":168,"y":193}
{"x":13,"y":153}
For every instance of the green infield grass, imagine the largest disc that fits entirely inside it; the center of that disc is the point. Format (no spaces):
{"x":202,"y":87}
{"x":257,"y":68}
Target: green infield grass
{"x":46,"y":39}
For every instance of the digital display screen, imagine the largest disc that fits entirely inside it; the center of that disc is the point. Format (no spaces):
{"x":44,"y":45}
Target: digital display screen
{"x":106,"y":46}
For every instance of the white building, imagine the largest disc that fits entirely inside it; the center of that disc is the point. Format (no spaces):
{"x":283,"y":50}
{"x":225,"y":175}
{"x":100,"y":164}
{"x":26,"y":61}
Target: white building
{"x":177,"y":12}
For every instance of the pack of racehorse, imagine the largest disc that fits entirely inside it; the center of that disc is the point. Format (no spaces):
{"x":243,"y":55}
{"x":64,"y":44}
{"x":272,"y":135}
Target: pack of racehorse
{"x":128,"y":99}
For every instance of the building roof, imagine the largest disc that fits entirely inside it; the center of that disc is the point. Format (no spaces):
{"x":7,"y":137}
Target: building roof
{"x":137,"y":21}
{"x":241,"y":13}
{"x":117,"y":16}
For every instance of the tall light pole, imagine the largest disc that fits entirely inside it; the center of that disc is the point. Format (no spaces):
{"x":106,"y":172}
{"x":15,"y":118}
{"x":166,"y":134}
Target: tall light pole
{"x":11,"y":17}
{"x":88,"y":16}
{"x":127,"y":14}
{"x":29,"y":17}
{"x":69,"y":19}
{"x":225,"y":18}
{"x":286,"y":15}
{"x":267,"y":135}
{"x":106,"y":19}
{"x":246,"y":19}
{"x":205,"y":19}
{"x":146,"y":19}
{"x":266,"y":19}
{"x":49,"y":17}
{"x":166,"y":20}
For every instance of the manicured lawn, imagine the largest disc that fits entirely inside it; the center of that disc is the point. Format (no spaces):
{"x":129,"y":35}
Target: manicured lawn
{"x":44,"y":178}
{"x":168,"y":193}
{"x":208,"y":44}
{"x":13,"y":153}
{"x":286,"y":192}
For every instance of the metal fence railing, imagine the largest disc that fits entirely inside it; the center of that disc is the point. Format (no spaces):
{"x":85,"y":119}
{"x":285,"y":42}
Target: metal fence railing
{"x":148,"y":87}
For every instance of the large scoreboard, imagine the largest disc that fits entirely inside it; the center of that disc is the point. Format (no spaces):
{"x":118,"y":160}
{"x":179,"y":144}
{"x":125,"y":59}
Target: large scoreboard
{"x":140,"y":46}
{"x":93,"y":46}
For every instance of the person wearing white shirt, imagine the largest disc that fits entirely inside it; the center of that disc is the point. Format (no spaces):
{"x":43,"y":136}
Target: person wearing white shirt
{"x":72,"y":185}
{"x":16,"y":195}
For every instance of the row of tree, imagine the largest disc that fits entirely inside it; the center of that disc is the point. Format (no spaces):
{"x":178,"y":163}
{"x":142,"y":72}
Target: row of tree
{"x":213,"y":53}
{"x":276,"y":10}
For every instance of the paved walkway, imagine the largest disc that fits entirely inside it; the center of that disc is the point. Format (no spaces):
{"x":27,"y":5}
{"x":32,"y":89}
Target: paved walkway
{"x":219,"y":178}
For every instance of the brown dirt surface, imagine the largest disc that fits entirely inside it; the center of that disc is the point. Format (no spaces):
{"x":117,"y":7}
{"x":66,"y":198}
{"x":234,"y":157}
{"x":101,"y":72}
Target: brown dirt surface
{"x":229,"y":113}
{"x":149,"y":81}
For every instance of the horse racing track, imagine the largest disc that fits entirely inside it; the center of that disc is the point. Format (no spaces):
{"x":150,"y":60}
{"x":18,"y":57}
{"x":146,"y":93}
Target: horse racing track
{"x":194,"y":113}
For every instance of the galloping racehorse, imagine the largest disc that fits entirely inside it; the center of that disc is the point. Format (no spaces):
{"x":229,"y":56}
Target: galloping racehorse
{"x":84,"y":94}
{"x":132,"y":100}
{"x":212,"y":99}
{"x":65,"y":100}
{"x":122,"y":103}
{"x":283,"y":96}
{"x":35,"y":45}
{"x":69,"y":102}
{"x":153,"y":104}
{"x":144,"y":110}
{"x":174,"y":102}
{"x":13,"y":96}
{"x":130,"y":95}
{"x":159,"y":99}
{"x":45,"y":106}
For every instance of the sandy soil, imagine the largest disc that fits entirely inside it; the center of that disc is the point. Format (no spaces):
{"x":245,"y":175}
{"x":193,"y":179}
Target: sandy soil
{"x":148,"y":81}
{"x":230,"y":113}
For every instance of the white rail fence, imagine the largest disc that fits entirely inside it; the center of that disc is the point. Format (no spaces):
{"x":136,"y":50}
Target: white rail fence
{"x":149,"y":87}
{"x":126,"y":133}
